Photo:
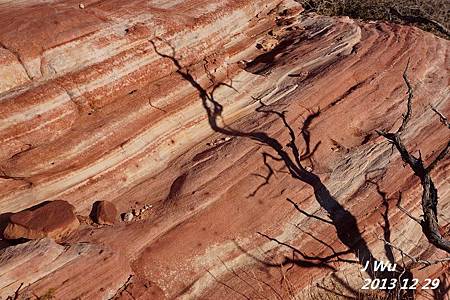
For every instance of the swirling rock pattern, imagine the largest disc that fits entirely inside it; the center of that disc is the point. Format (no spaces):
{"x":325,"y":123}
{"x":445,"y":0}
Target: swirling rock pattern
{"x":40,"y":262}
{"x":91,"y":110}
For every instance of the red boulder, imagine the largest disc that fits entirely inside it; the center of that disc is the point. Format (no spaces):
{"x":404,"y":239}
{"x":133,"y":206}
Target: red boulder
{"x":54,"y":219}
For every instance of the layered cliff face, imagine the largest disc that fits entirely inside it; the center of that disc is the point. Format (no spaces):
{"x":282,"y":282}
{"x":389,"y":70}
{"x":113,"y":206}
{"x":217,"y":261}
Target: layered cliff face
{"x":115,"y":101}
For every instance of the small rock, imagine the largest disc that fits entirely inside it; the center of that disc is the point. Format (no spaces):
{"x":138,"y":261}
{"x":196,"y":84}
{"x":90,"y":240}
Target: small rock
{"x":267,"y":44}
{"x":104,"y":213}
{"x":54,"y":219}
{"x":81,"y":6}
{"x":128,"y":217}
{"x":309,"y":169}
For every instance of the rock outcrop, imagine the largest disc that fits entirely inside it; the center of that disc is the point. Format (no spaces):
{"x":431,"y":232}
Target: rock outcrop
{"x":89,"y":271}
{"x":186,"y":105}
{"x":54,"y":219}
{"x":104,"y":213}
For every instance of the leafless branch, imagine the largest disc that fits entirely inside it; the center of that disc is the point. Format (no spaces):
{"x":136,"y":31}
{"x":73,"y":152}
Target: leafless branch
{"x":406,"y":212}
{"x":414,"y":259}
{"x":430,"y":226}
{"x":442,"y":118}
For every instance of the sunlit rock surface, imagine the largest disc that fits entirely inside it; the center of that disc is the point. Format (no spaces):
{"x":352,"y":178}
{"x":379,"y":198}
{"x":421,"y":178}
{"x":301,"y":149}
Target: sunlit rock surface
{"x":62,"y":271}
{"x":54,"y":219}
{"x":91,"y":109}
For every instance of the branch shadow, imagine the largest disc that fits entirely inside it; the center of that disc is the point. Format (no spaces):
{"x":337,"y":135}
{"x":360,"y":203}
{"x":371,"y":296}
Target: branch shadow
{"x":387,"y":224}
{"x":345,"y":224}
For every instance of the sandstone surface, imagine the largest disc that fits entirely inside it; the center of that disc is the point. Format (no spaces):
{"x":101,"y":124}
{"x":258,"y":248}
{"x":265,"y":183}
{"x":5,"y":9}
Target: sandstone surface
{"x":55,"y":219}
{"x":119,"y":101}
{"x":37,"y":264}
{"x":140,"y":290}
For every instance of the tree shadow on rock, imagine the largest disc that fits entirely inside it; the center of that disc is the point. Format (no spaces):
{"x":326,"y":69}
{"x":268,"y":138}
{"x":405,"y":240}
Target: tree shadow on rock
{"x":345,"y":224}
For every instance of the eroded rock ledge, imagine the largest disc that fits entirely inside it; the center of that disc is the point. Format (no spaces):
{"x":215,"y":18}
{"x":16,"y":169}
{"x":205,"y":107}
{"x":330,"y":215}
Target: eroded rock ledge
{"x":91,"y":110}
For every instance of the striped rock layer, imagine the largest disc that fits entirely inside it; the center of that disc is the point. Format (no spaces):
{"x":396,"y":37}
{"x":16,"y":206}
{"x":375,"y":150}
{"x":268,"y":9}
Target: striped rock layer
{"x":105,"y":103}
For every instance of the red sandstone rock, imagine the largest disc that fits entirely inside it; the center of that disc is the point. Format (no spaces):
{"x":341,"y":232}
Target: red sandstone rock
{"x":105,"y":213}
{"x":81,"y":270}
{"x":141,"y":290}
{"x":55,"y":219}
{"x":89,"y":110}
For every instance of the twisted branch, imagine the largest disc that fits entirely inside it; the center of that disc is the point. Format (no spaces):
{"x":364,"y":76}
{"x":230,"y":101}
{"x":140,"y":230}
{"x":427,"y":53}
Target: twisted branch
{"x":429,"y":223}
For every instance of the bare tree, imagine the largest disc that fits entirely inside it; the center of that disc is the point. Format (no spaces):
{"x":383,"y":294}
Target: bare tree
{"x":345,"y":224}
{"x":429,"y":222}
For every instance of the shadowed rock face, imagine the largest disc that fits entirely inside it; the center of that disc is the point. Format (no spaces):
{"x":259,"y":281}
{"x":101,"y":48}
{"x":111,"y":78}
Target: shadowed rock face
{"x":90,"y":111}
